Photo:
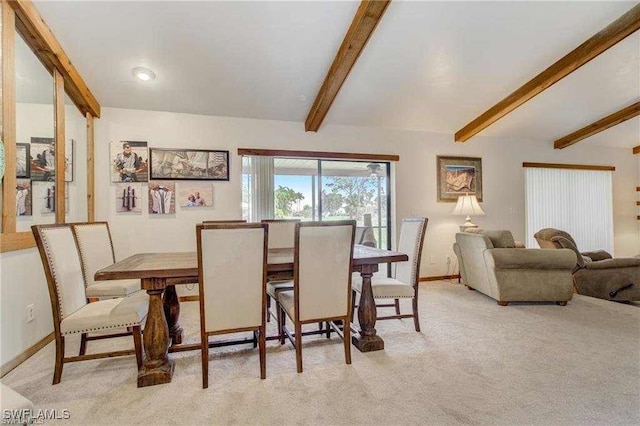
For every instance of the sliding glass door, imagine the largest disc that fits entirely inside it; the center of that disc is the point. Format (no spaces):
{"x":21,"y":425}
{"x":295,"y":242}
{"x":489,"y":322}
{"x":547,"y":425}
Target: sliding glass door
{"x":310,"y":189}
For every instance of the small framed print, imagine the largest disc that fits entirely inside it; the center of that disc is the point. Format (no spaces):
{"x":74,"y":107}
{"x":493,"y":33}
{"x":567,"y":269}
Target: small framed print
{"x":129,"y":161}
{"x":459,"y":176}
{"x":195,"y":194}
{"x":189,"y":164}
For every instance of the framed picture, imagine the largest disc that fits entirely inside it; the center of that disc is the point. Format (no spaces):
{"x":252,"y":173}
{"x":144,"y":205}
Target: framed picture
{"x":23,"y":158}
{"x":196,"y":194}
{"x":129,"y":161}
{"x":162,"y":197}
{"x":47,"y":197}
{"x":459,"y":176}
{"x":23,"y":197}
{"x":189,"y":164}
{"x":42,"y":159}
{"x":129,"y":197}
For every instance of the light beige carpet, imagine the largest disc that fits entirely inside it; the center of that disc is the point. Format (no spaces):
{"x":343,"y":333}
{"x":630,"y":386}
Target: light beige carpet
{"x":474,"y":363}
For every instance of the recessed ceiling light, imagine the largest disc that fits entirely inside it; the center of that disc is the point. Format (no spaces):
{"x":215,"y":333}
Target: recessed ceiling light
{"x":143,"y":74}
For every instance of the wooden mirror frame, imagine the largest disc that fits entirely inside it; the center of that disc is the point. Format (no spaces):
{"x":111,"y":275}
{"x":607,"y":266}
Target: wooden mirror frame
{"x":21,"y":16}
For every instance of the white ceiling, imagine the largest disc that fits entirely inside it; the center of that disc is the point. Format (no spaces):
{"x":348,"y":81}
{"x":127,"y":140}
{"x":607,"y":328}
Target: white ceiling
{"x":431,"y":66}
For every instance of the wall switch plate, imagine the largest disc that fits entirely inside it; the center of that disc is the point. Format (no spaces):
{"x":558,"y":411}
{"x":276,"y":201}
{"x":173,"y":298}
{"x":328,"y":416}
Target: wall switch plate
{"x":31,"y":312}
{"x":432,"y":260}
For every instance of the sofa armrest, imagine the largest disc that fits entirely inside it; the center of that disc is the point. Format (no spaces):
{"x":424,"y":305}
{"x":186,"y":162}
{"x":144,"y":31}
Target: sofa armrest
{"x":597,"y":255}
{"x":557,"y":259}
{"x":618,"y":262}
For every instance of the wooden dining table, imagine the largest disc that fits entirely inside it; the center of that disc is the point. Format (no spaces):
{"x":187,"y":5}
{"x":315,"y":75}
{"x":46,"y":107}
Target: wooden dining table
{"x":161,"y":272}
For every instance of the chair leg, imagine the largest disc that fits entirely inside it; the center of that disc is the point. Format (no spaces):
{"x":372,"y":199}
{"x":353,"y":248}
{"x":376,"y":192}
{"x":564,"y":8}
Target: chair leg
{"x":346,"y":331}
{"x":255,"y":339}
{"x":204,"y":349}
{"x":416,"y":318}
{"x":328,"y":330}
{"x":502,"y":303}
{"x":268,"y":308}
{"x":397,"y":304}
{"x":298,"y":340}
{"x":263,"y":352}
{"x":57,"y":372}
{"x":83,"y":344}
{"x":281,"y":319}
{"x":137,"y":344}
{"x":353,"y":304}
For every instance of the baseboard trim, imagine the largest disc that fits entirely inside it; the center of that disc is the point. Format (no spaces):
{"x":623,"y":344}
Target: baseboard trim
{"x":439,"y":278}
{"x":10,"y":365}
{"x":193,"y":298}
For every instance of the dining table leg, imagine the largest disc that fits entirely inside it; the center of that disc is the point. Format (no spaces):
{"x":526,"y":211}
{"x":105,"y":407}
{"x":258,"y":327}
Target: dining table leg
{"x":172,"y":313}
{"x":157,"y":367}
{"x":367,"y":340}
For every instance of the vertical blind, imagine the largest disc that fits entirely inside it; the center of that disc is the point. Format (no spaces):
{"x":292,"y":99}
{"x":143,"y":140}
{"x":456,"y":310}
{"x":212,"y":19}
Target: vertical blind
{"x":579,"y":202}
{"x":259,"y":172}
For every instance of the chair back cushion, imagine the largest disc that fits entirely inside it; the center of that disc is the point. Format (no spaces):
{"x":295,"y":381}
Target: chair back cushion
{"x":232,"y":262}
{"x":63,"y":270}
{"x":322,"y":269}
{"x":411,"y":239}
{"x":281,"y":233}
{"x":95,"y":247}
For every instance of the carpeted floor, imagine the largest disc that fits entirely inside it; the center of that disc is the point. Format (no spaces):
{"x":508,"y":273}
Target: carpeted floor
{"x":474,"y":363}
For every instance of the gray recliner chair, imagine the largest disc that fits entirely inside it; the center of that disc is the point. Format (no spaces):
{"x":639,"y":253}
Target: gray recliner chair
{"x":597,"y":273}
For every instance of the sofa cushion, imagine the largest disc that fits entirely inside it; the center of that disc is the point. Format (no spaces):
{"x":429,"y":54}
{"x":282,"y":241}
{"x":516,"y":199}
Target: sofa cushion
{"x":569,"y":244}
{"x":499,"y":238}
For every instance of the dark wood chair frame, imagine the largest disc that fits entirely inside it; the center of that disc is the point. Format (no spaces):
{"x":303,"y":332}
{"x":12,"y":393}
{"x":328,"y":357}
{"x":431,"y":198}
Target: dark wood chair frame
{"x":345,"y":331}
{"x":414,"y":300}
{"x":136,"y":331}
{"x":261,"y":329}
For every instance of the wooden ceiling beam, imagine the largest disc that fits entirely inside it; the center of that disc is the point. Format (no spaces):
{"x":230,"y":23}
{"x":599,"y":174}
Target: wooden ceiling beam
{"x":364,"y":23}
{"x":615,"y":32}
{"x":636,"y":149}
{"x":598,"y":126}
{"x":41,"y":40}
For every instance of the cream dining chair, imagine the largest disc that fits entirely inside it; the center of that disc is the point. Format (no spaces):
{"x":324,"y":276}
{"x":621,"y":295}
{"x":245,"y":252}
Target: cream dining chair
{"x":232,"y":273}
{"x":281,"y":235}
{"x":404,"y":283}
{"x":96,"y":252}
{"x":323,"y":256}
{"x":71,"y":312}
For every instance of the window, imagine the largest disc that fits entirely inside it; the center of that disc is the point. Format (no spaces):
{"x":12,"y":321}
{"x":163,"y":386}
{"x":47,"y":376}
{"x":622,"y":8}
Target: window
{"x":579,"y":202}
{"x":318,"y":190}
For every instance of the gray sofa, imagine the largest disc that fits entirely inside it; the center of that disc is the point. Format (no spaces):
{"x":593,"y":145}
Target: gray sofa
{"x":596,"y":273}
{"x":491,"y":263}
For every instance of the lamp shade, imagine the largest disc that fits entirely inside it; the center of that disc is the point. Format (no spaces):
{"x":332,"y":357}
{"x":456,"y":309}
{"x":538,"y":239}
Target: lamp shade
{"x":467,"y":205}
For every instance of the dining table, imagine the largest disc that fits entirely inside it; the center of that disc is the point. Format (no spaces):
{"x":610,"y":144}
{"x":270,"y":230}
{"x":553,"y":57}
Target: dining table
{"x":159,"y":273}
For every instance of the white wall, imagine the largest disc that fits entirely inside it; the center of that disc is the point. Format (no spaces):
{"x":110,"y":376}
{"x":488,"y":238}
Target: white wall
{"x":415,"y":189}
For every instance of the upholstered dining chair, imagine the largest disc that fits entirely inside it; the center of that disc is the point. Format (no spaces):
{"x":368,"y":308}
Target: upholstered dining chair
{"x":323,"y":254}
{"x":281,"y":235}
{"x":404,"y":283}
{"x":72,"y":314}
{"x":96,"y":252}
{"x":232,"y":273}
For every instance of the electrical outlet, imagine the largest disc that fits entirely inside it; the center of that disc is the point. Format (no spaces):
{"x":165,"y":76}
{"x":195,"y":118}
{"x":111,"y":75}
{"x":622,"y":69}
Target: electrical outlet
{"x":432,"y":260}
{"x":448,"y":260}
{"x":31,"y":312}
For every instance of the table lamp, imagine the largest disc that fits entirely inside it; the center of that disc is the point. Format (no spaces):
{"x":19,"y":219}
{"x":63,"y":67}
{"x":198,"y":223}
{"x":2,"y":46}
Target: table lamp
{"x":468,"y":205}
